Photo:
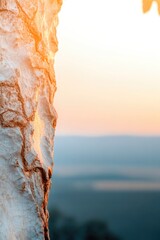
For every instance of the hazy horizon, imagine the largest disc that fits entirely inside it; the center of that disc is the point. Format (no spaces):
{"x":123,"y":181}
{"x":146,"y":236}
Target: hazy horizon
{"x":108,"y":135}
{"x":111,"y":179}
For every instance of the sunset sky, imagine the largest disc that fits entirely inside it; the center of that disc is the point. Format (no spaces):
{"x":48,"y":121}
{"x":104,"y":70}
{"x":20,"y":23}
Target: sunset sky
{"x":108,"y":68}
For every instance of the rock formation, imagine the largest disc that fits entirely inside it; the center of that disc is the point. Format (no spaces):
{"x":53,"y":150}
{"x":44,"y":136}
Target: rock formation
{"x":27,"y":118}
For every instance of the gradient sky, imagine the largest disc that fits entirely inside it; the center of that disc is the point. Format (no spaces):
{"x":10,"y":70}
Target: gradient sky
{"x":108,"y":68}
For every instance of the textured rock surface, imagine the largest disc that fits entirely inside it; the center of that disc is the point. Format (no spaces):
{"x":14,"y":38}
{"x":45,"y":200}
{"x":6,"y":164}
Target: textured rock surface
{"x":27,"y":117}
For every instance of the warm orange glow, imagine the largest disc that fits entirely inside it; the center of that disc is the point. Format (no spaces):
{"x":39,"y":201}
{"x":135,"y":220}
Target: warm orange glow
{"x":107,"y":68}
{"x":38,"y":126}
{"x":147,"y":4}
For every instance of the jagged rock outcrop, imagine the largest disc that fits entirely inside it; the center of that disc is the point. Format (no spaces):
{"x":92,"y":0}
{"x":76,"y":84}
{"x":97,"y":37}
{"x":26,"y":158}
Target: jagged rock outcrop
{"x":27,"y":118}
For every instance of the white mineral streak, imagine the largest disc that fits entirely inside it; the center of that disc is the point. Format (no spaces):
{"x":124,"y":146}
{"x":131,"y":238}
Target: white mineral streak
{"x":27,"y":117}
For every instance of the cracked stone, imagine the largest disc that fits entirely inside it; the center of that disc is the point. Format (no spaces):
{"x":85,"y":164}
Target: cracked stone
{"x":27,"y":116}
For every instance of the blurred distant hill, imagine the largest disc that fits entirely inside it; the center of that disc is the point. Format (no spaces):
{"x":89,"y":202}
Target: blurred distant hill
{"x":66,"y":228}
{"x":83,"y":162}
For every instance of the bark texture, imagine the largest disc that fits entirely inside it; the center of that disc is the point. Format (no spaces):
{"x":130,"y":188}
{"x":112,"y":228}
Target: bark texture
{"x":27,"y":117}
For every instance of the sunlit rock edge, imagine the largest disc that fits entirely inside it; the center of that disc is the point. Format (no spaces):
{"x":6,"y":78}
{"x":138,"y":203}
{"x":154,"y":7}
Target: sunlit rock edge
{"x":27,"y":117}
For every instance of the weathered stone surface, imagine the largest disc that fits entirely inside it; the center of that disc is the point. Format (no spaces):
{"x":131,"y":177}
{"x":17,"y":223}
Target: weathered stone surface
{"x":27,"y":117}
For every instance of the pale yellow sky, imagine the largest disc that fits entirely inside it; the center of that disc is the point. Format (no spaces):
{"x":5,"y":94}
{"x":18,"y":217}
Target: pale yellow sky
{"x":108,"y":68}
